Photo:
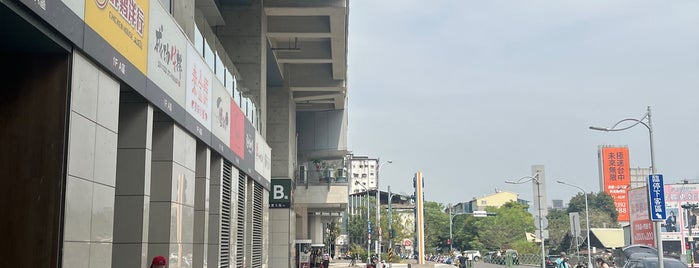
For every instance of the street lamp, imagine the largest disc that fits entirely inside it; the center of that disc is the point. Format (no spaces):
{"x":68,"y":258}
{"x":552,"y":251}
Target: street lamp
{"x":368,"y":242}
{"x":536,"y":181}
{"x":587,"y":221}
{"x":378,"y":206}
{"x":390,"y":220}
{"x":649,"y":126}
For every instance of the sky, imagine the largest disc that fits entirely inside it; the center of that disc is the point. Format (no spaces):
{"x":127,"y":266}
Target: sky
{"x":473,"y":93}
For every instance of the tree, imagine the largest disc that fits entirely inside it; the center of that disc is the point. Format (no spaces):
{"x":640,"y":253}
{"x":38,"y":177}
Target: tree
{"x":502,"y":231}
{"x":436,"y":226}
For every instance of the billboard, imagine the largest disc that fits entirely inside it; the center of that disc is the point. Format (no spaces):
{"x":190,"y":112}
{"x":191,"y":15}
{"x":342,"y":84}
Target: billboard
{"x":237,"y":141}
{"x":166,"y":59}
{"x":124,"y":25}
{"x":221,"y":113}
{"x":263,"y":157}
{"x":641,"y":225}
{"x":199,"y":88}
{"x":616,"y":177}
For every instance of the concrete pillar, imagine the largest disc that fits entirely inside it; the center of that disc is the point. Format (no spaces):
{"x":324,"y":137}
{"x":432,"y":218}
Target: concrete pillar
{"x":133,"y":180}
{"x":88,"y":225}
{"x":183,"y":11}
{"x":171,"y":224}
{"x":245,"y":40}
{"x":201,"y":206}
{"x":281,"y":135}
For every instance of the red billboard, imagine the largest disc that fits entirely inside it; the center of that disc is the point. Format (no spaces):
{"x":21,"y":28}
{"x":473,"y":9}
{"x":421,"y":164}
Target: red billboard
{"x":237,"y":131}
{"x":617,"y":178}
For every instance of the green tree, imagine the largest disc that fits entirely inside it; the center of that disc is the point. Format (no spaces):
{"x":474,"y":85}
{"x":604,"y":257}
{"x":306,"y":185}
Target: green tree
{"x":436,"y":226}
{"x":509,"y":225}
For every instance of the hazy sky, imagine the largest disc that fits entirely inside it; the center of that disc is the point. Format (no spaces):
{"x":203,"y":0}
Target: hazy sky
{"x":473,"y":93}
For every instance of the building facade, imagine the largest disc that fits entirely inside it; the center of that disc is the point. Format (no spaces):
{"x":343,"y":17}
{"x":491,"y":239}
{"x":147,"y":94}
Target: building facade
{"x":139,"y":128}
{"x":362,"y":171}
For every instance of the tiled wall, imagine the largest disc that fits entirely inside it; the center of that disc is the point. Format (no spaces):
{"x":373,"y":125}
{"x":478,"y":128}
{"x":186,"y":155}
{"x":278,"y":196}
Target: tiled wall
{"x":92,"y":150}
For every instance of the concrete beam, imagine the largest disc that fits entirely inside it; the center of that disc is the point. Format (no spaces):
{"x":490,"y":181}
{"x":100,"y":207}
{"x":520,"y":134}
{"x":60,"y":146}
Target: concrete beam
{"x":305,"y":8}
{"x":285,"y":24}
{"x":315,"y":97}
{"x":311,"y":75}
{"x":317,"y":89}
{"x":338,"y":45}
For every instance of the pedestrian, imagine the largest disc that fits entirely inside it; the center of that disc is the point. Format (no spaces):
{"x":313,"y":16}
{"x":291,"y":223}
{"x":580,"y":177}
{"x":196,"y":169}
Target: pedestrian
{"x":353,"y":259}
{"x":463,"y":261}
{"x":318,"y":258}
{"x":562,"y":261}
{"x":601,"y":263}
{"x":326,"y":260}
{"x":158,"y":262}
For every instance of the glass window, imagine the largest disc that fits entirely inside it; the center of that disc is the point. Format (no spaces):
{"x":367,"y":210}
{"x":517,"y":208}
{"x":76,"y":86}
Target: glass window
{"x":209,"y":55}
{"x":198,"y":40}
{"x":220,"y":70}
{"x":228,"y":81}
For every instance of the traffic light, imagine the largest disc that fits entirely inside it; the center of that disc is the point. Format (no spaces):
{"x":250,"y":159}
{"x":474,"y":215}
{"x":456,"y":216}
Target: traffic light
{"x":686,"y":245}
{"x":448,"y":241}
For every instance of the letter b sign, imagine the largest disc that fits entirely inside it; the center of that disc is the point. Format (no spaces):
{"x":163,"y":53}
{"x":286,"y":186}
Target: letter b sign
{"x":280,"y":196}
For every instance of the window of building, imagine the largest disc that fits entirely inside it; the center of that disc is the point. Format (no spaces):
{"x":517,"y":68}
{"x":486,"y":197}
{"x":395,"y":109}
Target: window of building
{"x":363,"y":175}
{"x":372,"y":174}
{"x":361,"y":166}
{"x":355,"y":175}
{"x":484,"y":202}
{"x":372,"y":166}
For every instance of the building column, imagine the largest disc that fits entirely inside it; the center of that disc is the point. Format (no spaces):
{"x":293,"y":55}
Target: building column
{"x":201,"y":206}
{"x":281,"y":123}
{"x":171,"y":219}
{"x":92,"y":161}
{"x":133,"y":180}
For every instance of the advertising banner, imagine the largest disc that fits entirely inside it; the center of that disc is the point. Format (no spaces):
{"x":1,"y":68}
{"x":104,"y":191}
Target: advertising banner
{"x":249,"y":161}
{"x":166,"y":59}
{"x":617,"y":179}
{"x":263,"y":157}
{"x":124,"y":25}
{"x":198,"y":91}
{"x":220,"y":126}
{"x":237,"y":137}
{"x":303,"y":253}
{"x":641,"y":225}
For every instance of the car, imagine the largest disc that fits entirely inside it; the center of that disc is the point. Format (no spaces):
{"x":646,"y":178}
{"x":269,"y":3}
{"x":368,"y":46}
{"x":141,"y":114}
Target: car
{"x":490,"y":257}
{"x":551,"y":261}
{"x":514,"y":254}
{"x":650,"y":260}
{"x":474,"y":255}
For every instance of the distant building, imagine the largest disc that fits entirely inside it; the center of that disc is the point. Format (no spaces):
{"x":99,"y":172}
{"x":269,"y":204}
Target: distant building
{"x":557,"y":204}
{"x":497,"y":199}
{"x":639,"y":176}
{"x":362,"y":170}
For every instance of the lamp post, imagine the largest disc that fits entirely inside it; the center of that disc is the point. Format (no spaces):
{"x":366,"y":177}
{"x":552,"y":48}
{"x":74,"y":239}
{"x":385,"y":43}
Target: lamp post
{"x":390,"y":221}
{"x":536,"y":181}
{"x":378,"y":208}
{"x":368,"y":242}
{"x":587,"y":221}
{"x":649,"y":126}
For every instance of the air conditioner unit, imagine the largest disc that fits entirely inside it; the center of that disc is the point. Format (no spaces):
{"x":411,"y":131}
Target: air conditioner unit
{"x":302,"y":173}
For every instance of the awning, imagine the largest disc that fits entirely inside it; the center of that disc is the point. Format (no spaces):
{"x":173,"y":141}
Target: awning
{"x":607,"y":237}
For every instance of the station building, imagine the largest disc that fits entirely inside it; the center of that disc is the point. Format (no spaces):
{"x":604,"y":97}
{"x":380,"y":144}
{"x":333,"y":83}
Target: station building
{"x":211,"y":132}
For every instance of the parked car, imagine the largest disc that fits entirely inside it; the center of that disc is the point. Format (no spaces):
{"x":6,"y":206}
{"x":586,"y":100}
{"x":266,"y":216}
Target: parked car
{"x":551,"y":261}
{"x":490,"y":257}
{"x":474,"y":255}
{"x":512,"y":253}
{"x":649,"y":260}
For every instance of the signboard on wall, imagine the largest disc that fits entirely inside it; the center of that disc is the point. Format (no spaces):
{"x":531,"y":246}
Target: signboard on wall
{"x":166,"y":58}
{"x":124,"y":25}
{"x":280,"y":195}
{"x":617,"y":178}
{"x":641,"y":225}
{"x":237,"y":137}
{"x":263,"y":157}
{"x":199,"y":87}
{"x":220,"y":125}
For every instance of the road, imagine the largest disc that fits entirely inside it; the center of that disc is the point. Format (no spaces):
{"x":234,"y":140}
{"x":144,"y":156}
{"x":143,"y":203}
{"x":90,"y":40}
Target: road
{"x":345,"y":263}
